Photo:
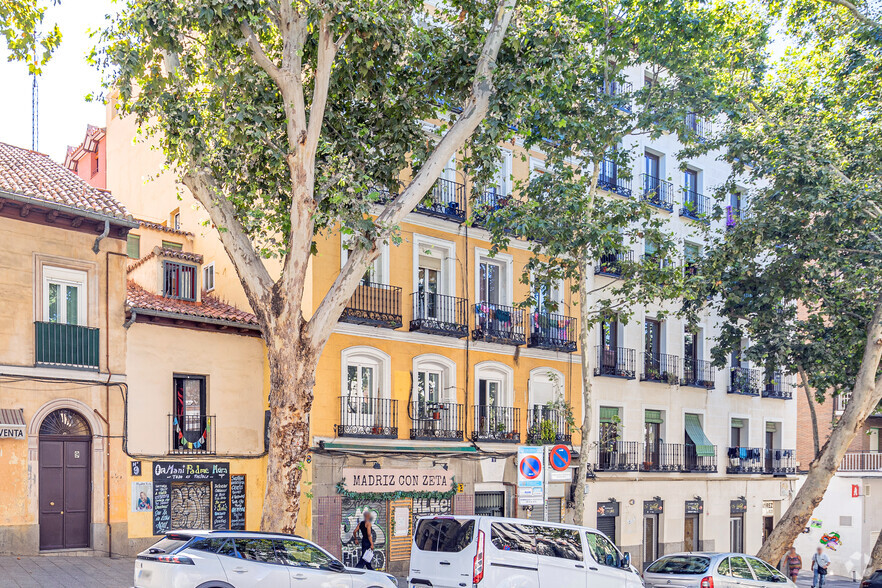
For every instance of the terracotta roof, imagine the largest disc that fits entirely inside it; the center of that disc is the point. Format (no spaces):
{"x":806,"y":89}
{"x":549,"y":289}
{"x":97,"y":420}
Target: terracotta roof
{"x":90,"y":144}
{"x":210,"y":307}
{"x":34,"y":175}
{"x":182,"y":255}
{"x":163,"y":228}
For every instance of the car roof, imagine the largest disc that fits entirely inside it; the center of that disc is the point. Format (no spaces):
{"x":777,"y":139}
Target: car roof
{"x":509,"y":520}
{"x":205,"y":533}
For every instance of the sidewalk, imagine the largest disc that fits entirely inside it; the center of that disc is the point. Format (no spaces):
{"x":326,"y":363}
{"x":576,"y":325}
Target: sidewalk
{"x":66,"y":571}
{"x":805,"y":581}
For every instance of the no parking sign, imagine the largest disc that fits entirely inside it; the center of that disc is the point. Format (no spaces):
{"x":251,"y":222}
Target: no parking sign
{"x":559,"y":460}
{"x":530,"y":476}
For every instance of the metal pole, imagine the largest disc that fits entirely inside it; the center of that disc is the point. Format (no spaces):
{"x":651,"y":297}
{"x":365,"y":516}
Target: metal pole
{"x":545,"y":483}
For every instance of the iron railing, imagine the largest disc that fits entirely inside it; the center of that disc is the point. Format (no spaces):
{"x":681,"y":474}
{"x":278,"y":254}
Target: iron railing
{"x":374,"y":304}
{"x":698,"y":373}
{"x":192,"y":434}
{"x":620,"y":90}
{"x":446,"y":200}
{"x":660,"y":367}
{"x":443,"y":421}
{"x":547,"y":426}
{"x":698,"y":463}
{"x":777,"y":387}
{"x":618,"y":362}
{"x":662,"y":457}
{"x":698,"y":125}
{"x":549,"y":330}
{"x":439,"y":314}
{"x":864,"y":461}
{"x":658,"y":192}
{"x":618,"y":456}
{"x":63,"y":345}
{"x":498,"y":323}
{"x":362,"y":416}
{"x":496,"y":423}
{"x":745,"y":381}
{"x":695,"y":206}
{"x":610,"y":180}
{"x":780,"y":461}
{"x":488,"y":203}
{"x":179,"y":280}
{"x":610,"y":264}
{"x":745,"y":460}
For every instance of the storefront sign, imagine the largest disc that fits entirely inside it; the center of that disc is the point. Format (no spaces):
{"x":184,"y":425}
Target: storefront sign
{"x":738,"y":506}
{"x":694,"y":507}
{"x":389,"y":480}
{"x":653,"y":506}
{"x":12,"y":425}
{"x":190,"y":471}
{"x":12,"y":432}
{"x":607,"y":509}
{"x":191,"y":488}
{"x":237,"y":502}
{"x":768,"y":508}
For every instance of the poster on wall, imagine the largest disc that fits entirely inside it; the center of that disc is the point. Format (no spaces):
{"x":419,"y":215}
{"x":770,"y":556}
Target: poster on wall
{"x":142,"y":496}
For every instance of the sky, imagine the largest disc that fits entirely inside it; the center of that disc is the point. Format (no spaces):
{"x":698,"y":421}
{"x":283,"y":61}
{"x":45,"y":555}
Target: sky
{"x":63,"y":86}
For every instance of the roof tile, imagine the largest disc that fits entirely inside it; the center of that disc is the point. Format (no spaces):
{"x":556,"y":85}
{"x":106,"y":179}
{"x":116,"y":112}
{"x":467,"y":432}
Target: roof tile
{"x":210,"y":307}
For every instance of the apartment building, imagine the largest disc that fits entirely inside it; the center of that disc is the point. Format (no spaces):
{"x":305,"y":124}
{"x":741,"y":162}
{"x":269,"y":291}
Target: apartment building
{"x":435,"y":374}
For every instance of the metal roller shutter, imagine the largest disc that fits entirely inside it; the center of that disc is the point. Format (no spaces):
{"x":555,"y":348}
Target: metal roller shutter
{"x":555,"y":511}
{"x":607,"y":526}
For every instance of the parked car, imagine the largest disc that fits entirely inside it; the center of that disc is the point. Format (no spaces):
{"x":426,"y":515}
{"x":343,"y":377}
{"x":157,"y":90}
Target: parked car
{"x":241,"y":559}
{"x":874,"y":581}
{"x":493,"y":552}
{"x":713,"y":570}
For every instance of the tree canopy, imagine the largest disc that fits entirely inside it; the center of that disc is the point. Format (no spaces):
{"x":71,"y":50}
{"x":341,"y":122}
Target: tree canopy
{"x":20,"y":22}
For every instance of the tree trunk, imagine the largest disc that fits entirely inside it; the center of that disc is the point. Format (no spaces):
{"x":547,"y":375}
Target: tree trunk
{"x":875,"y":562}
{"x":292,"y":379}
{"x":584,"y":354}
{"x":810,"y":398}
{"x":864,"y":399}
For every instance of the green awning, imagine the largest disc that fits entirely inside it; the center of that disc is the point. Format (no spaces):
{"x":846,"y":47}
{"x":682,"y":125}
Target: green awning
{"x":609,"y":414}
{"x":703,"y":446}
{"x":737,"y":423}
{"x":771,"y":427}
{"x":653,"y":416}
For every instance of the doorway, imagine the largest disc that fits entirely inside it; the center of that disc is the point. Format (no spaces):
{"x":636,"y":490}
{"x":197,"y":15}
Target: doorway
{"x":65,"y":481}
{"x":768,"y":525}
{"x":691,"y":533}
{"x":736,"y":533}
{"x":650,"y":539}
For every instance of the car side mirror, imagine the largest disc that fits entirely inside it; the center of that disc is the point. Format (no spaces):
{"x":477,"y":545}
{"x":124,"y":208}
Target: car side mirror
{"x":336,"y":566}
{"x":626,"y":560}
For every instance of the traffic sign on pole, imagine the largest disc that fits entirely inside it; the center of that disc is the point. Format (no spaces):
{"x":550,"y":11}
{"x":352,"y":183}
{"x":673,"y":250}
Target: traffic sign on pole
{"x":559,"y":458}
{"x":531,"y":469}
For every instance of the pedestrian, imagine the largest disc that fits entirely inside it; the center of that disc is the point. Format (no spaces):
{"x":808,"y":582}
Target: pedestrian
{"x":367,"y":542}
{"x":820,"y":562}
{"x":794,"y":564}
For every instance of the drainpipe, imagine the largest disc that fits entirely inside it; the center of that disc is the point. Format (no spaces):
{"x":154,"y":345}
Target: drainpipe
{"x":131,"y":320}
{"x":104,"y":233}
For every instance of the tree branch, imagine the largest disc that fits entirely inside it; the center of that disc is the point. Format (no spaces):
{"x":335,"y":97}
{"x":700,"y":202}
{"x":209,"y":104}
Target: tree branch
{"x":856,"y":12}
{"x":260,"y":56}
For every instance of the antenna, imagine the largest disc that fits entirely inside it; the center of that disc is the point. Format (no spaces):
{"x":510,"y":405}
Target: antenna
{"x":35,"y":108}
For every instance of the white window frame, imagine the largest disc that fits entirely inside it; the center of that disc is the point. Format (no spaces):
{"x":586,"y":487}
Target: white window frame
{"x":506,"y":262}
{"x":745,"y":435}
{"x":496,"y":372}
{"x":206,"y":269}
{"x":379,"y":269}
{"x":441,"y":249}
{"x":363,"y":355}
{"x":556,"y":294}
{"x":543,"y":375}
{"x":66,"y":277}
{"x":434,"y":363}
{"x":504,"y":173}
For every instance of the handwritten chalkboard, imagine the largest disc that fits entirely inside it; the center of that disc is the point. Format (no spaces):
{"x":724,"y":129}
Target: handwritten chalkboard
{"x":237,"y":502}
{"x":161,"y":508}
{"x":220,"y":505}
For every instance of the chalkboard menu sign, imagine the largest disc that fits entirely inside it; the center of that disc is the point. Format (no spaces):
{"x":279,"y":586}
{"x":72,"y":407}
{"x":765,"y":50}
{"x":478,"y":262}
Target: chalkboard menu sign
{"x":161,"y":508}
{"x":694,"y":507}
{"x":237,"y":502}
{"x":220,"y":505}
{"x":164,"y":473}
{"x":607,"y":509}
{"x":738,"y":506}
{"x":653,"y":506}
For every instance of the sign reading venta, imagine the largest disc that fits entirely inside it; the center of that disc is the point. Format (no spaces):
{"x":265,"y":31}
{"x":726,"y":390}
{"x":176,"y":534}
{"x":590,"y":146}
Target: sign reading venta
{"x":12,"y":425}
{"x":389,"y":480}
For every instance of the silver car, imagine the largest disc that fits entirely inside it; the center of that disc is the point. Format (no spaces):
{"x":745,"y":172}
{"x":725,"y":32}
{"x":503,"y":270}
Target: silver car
{"x":713,"y":570}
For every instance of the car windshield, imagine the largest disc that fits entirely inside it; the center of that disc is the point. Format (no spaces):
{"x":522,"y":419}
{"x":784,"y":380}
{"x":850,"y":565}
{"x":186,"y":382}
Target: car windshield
{"x":680,"y":564}
{"x":169,"y":543}
{"x":444,"y":534}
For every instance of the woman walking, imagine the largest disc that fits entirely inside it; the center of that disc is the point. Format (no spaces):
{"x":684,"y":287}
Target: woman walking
{"x":367,"y":542}
{"x":794,"y":564}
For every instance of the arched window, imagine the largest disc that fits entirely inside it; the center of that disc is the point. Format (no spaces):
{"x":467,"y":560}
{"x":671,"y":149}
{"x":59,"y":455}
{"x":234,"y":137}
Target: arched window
{"x":494,"y":384}
{"x":65,"y":421}
{"x":547,"y":385}
{"x":434,"y":379}
{"x":366,"y":373}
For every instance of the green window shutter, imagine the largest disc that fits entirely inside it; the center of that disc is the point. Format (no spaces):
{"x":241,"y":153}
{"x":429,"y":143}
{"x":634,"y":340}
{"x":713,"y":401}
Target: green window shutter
{"x":653,"y":416}
{"x":737,"y":423}
{"x":703,"y":446}
{"x":172,"y":245}
{"x":771,"y":427}
{"x":608,"y":414}
{"x":133,"y":246}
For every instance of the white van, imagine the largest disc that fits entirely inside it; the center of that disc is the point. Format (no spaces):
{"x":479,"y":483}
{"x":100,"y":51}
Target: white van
{"x":493,"y":552}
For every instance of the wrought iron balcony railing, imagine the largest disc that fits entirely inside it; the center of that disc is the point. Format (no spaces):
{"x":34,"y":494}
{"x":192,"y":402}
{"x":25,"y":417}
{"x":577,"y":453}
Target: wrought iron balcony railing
{"x":439,"y":314}
{"x":618,"y":456}
{"x":192,"y":434}
{"x":496,"y":423}
{"x":618,"y":362}
{"x":610,"y":180}
{"x":437,"y":420}
{"x":63,"y":345}
{"x":445,"y":200}
{"x":620,"y":90}
{"x":660,"y":367}
{"x":498,"y":323}
{"x":780,"y":461}
{"x":610,"y":264}
{"x":374,"y":304}
{"x":361,"y":416}
{"x":699,"y":126}
{"x":745,"y":381}
{"x":698,"y":373}
{"x":745,"y":460}
{"x":777,"y":387}
{"x":549,"y":330}
{"x":547,"y":426}
{"x":662,"y":457}
{"x":658,"y":192}
{"x":488,"y":203}
{"x":695,"y":206}
{"x":698,"y":463}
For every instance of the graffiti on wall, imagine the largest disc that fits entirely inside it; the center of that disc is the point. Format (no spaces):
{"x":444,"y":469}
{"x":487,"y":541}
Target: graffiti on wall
{"x":352,"y":514}
{"x":831,"y":540}
{"x":427,"y":507}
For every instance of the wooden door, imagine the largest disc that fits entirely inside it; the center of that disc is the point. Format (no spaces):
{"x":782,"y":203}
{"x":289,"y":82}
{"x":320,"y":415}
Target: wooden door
{"x":65,"y":493}
{"x":690,"y":533}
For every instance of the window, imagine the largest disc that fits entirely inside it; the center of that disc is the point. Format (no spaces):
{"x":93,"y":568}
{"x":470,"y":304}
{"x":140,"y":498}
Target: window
{"x":681,"y":564}
{"x":228,"y":549}
{"x":740,"y":568}
{"x":428,"y":278}
{"x":502,"y":185}
{"x":208,"y":277}
{"x":64,"y":296}
{"x":378,"y":271}
{"x":445,"y":535}
{"x":133,"y":246}
{"x":691,"y":256}
{"x":652,"y":168}
{"x":262,"y":550}
{"x":490,"y":276}
{"x":546,"y":387}
{"x":95,"y":163}
{"x":172,"y":245}
{"x":302,"y":555}
{"x":176,"y":221}
{"x":513,"y":537}
{"x":559,"y":543}
{"x":548,"y":296}
{"x":652,"y":338}
{"x":603,"y":551}
{"x":723,"y":569}
{"x":650,"y":248}
{"x":690,"y":184}
{"x":209,"y":545}
{"x":738,"y":432}
{"x":763,"y":574}
{"x":609,"y":334}
{"x":179,"y":280}
{"x":189,"y":418}
{"x":361,"y":380}
{"x":493,"y":277}
{"x":366,"y":373}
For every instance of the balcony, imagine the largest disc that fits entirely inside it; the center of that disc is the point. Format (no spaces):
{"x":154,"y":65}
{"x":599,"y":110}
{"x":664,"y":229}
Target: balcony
{"x":610,"y":180}
{"x":610,"y":264}
{"x":378,"y":305}
{"x":496,"y":423}
{"x":698,"y":126}
{"x":661,"y":367}
{"x":446,"y":200}
{"x":662,"y":457}
{"x":63,"y":345}
{"x":864,"y":461}
{"x":744,"y":381}
{"x":695,"y":206}
{"x":620,"y":90}
{"x":437,"y":421}
{"x":777,"y":387}
{"x":192,"y":434}
{"x":699,"y":463}
{"x":439,"y":315}
{"x":615,"y":362}
{"x":555,"y":332}
{"x":488,"y":203}
{"x":658,"y":192}
{"x":698,"y":373}
{"x":368,"y":417}
{"x":618,"y":456}
{"x":497,"y":323}
{"x":547,"y":426}
{"x":780,"y":461}
{"x":745,"y":460}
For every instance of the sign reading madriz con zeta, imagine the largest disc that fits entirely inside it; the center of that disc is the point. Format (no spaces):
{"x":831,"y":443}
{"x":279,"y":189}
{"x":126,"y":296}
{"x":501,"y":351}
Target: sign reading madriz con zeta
{"x":387,"y":480}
